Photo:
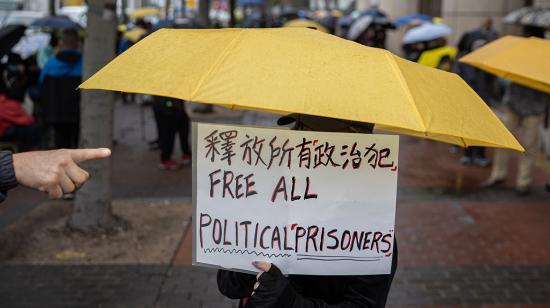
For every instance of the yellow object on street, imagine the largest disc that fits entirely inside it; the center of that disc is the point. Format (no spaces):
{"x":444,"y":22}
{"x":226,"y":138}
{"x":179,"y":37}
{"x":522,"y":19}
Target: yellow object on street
{"x":144,"y":12}
{"x":298,"y":70}
{"x":305,"y":23}
{"x":135,"y":34}
{"x":525,"y":61}
{"x":435,"y":57}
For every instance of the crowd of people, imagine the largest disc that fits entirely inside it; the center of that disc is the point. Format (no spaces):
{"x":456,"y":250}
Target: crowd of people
{"x":50,"y":78}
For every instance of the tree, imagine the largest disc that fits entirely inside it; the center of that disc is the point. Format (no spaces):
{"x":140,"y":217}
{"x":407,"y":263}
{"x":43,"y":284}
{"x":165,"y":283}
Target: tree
{"x":167,"y":5}
{"x":51,"y":7}
{"x":204,"y":10}
{"x":123,"y":7}
{"x":92,"y":208}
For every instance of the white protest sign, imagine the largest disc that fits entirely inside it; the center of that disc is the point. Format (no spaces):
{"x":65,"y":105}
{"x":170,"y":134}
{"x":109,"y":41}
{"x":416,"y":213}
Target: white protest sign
{"x":312,"y":203}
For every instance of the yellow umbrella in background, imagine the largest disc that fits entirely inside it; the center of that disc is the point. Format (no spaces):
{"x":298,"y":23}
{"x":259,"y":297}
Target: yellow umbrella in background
{"x":135,"y":34}
{"x":144,"y":12}
{"x":525,"y":61}
{"x":305,"y":23}
{"x":295,"y":70}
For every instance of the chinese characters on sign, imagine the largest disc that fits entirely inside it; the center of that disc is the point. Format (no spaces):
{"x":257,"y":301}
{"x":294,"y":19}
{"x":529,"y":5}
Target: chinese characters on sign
{"x":297,"y":199}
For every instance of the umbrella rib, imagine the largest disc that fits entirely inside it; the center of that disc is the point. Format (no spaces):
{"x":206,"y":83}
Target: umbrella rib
{"x":405,"y":85}
{"x":216,"y":64}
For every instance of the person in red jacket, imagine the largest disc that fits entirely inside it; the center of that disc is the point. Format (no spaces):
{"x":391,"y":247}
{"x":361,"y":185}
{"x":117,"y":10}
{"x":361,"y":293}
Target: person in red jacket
{"x":16,"y":125}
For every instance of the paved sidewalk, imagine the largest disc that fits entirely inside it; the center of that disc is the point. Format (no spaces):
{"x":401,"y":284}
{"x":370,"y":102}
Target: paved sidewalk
{"x":192,"y":287}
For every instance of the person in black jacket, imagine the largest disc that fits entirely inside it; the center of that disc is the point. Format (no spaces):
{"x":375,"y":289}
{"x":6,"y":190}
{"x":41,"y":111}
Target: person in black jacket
{"x":172,"y":119}
{"x":270,"y":288}
{"x":54,"y":172}
{"x":60,"y":97}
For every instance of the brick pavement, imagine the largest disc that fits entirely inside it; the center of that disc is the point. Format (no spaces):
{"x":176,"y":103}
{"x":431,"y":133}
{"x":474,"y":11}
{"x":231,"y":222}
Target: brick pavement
{"x":192,"y":287}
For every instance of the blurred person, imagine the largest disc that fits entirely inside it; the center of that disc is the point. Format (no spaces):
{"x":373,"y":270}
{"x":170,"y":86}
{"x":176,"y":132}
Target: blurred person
{"x":172,"y":119}
{"x":13,"y":79}
{"x":16,"y":125}
{"x":270,"y":288}
{"x":525,"y":108}
{"x":54,"y":172}
{"x":524,"y":111}
{"x":59,"y":94}
{"x":483,"y":83}
{"x":45,"y":53}
{"x":370,"y":31}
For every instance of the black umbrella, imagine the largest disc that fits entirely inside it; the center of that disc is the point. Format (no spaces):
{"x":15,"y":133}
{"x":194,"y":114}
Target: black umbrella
{"x":9,"y":36}
{"x":56,"y":22}
{"x":530,"y":16}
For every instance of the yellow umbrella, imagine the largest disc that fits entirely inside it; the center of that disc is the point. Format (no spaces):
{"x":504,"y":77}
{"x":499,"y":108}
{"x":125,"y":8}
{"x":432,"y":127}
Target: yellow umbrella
{"x":522,"y":60}
{"x":135,"y":34}
{"x":305,"y":23}
{"x":145,"y":11}
{"x":296,"y":70}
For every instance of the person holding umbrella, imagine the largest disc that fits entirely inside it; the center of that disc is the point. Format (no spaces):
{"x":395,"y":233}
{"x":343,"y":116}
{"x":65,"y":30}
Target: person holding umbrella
{"x":270,"y":288}
{"x":482,"y":82}
{"x":370,"y":28}
{"x":338,"y":85}
{"x":524,"y":63}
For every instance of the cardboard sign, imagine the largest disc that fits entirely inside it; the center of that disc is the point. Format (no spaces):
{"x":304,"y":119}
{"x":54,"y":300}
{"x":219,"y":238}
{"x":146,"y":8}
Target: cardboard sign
{"x":311,"y":203}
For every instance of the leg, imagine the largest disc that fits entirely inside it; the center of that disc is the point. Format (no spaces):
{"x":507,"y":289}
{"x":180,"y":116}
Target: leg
{"x":183,"y":131}
{"x":530,"y":140}
{"x":478,"y":154}
{"x":167,"y":133}
{"x":63,"y":136}
{"x":500,"y":161}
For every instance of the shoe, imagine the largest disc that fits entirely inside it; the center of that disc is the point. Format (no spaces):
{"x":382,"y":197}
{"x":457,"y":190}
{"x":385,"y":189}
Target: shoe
{"x":523,"y":191}
{"x":465,"y":160}
{"x":481,"y":162}
{"x":491,"y":183}
{"x":169,"y":165}
{"x":154,"y":145}
{"x":547,"y":187}
{"x":186,"y":159}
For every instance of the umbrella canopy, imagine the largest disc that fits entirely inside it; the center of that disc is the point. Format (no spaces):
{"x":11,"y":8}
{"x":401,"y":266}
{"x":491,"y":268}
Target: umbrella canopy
{"x":297,"y":70}
{"x":9,"y":36}
{"x":410,"y":19}
{"x":56,"y":22}
{"x":30,"y":44}
{"x":525,"y":61}
{"x":426,"y":32}
{"x":144,"y":12}
{"x":530,"y":16}
{"x":305,"y":23}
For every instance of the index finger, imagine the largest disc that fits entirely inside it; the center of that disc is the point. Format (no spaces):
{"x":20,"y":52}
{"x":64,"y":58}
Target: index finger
{"x":80,"y":155}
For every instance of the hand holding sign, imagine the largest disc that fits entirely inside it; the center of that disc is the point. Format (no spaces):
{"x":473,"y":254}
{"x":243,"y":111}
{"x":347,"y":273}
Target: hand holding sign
{"x":55,"y":172}
{"x":271,"y":288}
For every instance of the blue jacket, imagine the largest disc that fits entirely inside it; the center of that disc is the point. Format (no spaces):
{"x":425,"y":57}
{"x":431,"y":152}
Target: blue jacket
{"x":66,"y":63}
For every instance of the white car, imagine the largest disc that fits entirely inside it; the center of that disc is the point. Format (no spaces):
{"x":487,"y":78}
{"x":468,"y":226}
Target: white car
{"x":75,"y":13}
{"x":24,"y":18}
